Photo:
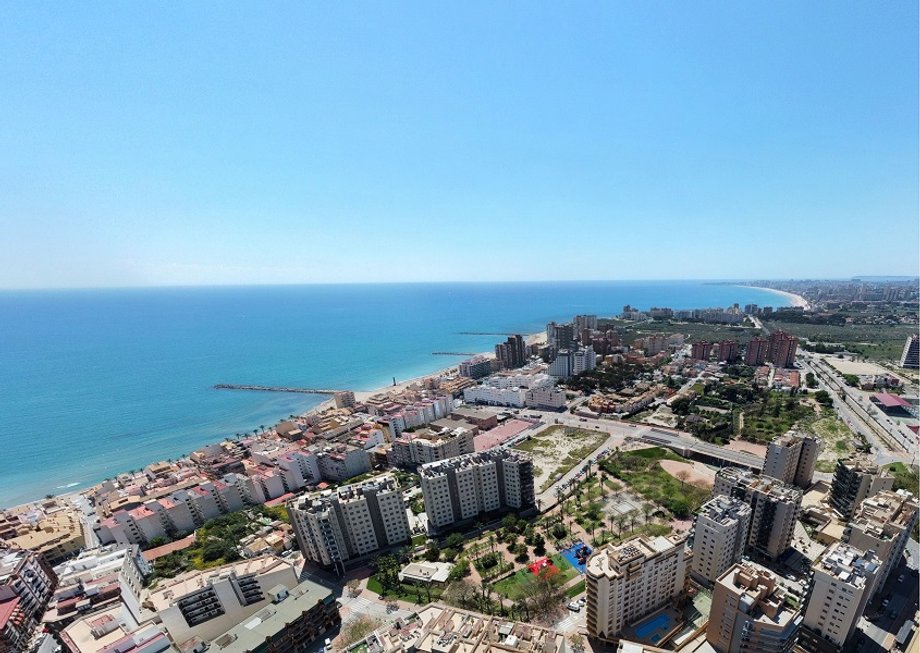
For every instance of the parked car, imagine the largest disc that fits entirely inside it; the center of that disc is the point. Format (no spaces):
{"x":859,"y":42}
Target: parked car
{"x":901,"y":578}
{"x":574,"y":607}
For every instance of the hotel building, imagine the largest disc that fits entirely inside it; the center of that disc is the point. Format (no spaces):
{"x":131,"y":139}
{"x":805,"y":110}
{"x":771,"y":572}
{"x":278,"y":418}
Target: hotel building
{"x":781,"y":351}
{"x":289,"y":623}
{"x":428,"y":446}
{"x":205,"y":604}
{"x":855,"y":480}
{"x":756,"y":353}
{"x":26,"y":585}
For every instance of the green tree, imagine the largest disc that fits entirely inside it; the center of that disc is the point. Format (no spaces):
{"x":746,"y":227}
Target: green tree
{"x":455,"y":541}
{"x":388,"y":572}
{"x":432,"y":553}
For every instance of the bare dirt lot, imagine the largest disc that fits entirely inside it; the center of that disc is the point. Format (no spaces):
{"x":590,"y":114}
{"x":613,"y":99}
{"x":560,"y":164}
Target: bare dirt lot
{"x":698,"y":474}
{"x":556,"y":450}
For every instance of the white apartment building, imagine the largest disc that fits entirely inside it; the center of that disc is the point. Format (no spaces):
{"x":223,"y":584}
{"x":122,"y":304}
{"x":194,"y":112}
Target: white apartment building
{"x":791,"y":458}
{"x":631,"y":580}
{"x":719,"y":537}
{"x":83,"y":574}
{"x":207,"y":603}
{"x":774,"y":506}
{"x":750,"y":613}
{"x":341,"y":462}
{"x":334,"y":526}
{"x":298,"y":467}
{"x":569,"y":362}
{"x":547,"y":397}
{"x":495,"y":396}
{"x":842,"y":582}
{"x":460,"y":489}
{"x":428,"y":446}
{"x":883,"y":524}
{"x":179,"y":513}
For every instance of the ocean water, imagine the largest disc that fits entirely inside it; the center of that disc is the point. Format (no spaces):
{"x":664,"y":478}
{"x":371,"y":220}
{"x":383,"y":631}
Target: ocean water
{"x":95,"y":382}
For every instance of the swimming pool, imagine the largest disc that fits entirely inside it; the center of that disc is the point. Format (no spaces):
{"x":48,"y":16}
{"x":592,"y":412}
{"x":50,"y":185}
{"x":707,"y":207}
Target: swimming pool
{"x":655,"y":628}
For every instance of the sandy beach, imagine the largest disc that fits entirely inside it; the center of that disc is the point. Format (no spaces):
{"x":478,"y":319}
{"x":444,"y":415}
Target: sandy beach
{"x":797,"y":300}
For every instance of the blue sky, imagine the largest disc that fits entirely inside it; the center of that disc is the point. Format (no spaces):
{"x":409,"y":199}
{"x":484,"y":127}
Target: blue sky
{"x":210,"y":143}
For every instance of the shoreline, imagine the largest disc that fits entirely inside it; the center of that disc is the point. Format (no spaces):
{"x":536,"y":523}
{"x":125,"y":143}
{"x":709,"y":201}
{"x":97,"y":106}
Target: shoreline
{"x":797,"y":300}
{"x":360,"y":396}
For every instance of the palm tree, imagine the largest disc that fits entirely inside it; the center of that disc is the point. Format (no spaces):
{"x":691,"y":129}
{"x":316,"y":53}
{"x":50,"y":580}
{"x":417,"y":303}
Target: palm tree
{"x":255,"y":431}
{"x":262,"y":426}
{"x":648,"y":508}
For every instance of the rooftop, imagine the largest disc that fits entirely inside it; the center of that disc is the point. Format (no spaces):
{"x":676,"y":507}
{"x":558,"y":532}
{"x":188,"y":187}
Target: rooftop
{"x":472,"y":460}
{"x":885,"y":509}
{"x":613,"y":560}
{"x":723,"y":510}
{"x":108,"y":630}
{"x":848,"y":564}
{"x":171,"y":590}
{"x":765,"y":484}
{"x":347,"y":493}
{"x":450,"y":629}
{"x":759,"y":594}
{"x":268,"y":621}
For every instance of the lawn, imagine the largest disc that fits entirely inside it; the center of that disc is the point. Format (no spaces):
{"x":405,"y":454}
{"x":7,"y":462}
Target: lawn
{"x":513,"y":586}
{"x":642,"y":474}
{"x":575,"y":589}
{"x":405,"y":591}
{"x":835,"y":434}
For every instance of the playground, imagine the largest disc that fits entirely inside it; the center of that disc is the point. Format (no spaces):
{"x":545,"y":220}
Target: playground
{"x":513,"y":586}
{"x":577,"y":555}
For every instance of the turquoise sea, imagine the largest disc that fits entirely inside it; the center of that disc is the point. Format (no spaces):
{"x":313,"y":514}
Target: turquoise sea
{"x":94,"y":382}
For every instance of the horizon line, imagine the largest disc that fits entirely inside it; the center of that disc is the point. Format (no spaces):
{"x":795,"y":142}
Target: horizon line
{"x":738,"y":281}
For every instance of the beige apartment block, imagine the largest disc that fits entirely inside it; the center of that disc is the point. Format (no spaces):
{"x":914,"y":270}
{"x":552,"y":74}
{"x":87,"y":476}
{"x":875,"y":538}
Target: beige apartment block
{"x":631,"y":580}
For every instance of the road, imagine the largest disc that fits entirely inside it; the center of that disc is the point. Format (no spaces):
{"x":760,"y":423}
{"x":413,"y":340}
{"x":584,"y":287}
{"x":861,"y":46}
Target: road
{"x":852,"y":413}
{"x":878,"y":623}
{"x":617,"y":432}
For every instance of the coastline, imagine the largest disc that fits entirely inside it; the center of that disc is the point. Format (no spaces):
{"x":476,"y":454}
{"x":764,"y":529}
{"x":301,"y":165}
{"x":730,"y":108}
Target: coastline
{"x":360,"y":395}
{"x":797,"y":300}
{"x":546,"y":303}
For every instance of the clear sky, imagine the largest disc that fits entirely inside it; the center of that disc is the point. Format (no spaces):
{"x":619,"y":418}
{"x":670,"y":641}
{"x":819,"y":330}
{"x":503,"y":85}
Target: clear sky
{"x":205,"y":143}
